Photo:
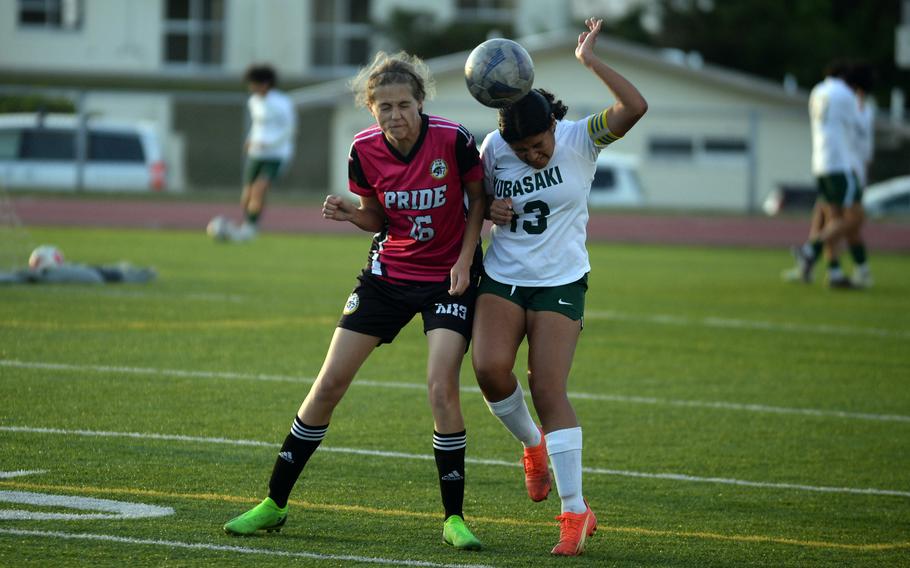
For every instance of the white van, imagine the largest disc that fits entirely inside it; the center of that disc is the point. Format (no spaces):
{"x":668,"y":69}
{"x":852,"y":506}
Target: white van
{"x":38,"y":151}
{"x":616,"y":181}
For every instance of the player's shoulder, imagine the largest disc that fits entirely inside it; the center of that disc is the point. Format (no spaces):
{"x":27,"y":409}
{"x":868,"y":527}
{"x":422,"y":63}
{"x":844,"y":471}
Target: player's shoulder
{"x":367,"y":136}
{"x":445,"y":125}
{"x":279,"y":97}
{"x":567,"y":130}
{"x":493,"y":143}
{"x":567,"y":125}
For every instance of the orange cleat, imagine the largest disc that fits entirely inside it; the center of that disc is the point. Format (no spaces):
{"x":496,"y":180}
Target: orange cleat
{"x":574,"y":529}
{"x":537,"y":475}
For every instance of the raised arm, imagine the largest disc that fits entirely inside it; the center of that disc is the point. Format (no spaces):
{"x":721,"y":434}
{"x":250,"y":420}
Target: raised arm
{"x":630,"y":105}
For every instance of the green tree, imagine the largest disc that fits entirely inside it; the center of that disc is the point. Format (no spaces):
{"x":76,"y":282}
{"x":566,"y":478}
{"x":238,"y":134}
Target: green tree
{"x":774,"y":39}
{"x":420,"y":34}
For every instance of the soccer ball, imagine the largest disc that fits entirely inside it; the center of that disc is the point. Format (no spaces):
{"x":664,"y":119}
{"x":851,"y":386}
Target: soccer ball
{"x":219,"y":228}
{"x":499,"y":72}
{"x":45,"y":256}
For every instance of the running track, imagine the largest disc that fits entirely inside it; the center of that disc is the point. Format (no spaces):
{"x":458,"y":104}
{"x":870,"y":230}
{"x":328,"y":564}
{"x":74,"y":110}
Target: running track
{"x":679,"y":228}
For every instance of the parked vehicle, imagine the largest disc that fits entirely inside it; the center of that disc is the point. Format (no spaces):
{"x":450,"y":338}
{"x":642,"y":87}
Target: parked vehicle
{"x":40,"y":151}
{"x":889,"y":197}
{"x":616,"y":182}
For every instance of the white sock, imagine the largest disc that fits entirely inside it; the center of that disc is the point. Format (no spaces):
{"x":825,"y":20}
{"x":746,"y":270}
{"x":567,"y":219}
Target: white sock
{"x":513,"y":412}
{"x":564,"y":447}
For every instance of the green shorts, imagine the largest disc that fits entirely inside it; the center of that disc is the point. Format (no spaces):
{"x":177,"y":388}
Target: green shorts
{"x":568,"y":299}
{"x":840,"y":188}
{"x":256,"y":168}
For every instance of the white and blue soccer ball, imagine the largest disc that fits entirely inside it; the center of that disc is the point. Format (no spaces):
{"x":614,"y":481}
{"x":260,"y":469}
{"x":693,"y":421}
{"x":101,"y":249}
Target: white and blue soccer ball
{"x":219,"y":228}
{"x":499,"y":72}
{"x":44,"y":257}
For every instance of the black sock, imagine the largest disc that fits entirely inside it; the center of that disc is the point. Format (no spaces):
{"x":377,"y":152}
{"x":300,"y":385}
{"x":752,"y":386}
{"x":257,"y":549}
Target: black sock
{"x":816,"y":247}
{"x":252,"y":217}
{"x":296,"y":450}
{"x":858,"y":252}
{"x":449,"y":452}
{"x":834,"y":263}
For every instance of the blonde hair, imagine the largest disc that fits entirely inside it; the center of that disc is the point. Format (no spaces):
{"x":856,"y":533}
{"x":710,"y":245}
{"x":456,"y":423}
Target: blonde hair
{"x":399,"y":68}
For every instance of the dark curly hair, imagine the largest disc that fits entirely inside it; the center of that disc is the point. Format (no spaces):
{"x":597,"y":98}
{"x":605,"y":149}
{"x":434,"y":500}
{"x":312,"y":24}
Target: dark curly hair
{"x":861,"y":75}
{"x":262,"y":74}
{"x":531,"y":115}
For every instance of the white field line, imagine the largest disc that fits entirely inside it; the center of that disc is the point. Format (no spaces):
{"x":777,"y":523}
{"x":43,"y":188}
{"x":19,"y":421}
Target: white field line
{"x":732,"y":323}
{"x":20,"y":473}
{"x":719,"y":405}
{"x":112,"y":509}
{"x":490,"y":462}
{"x":229,"y":548}
{"x":106,"y":292}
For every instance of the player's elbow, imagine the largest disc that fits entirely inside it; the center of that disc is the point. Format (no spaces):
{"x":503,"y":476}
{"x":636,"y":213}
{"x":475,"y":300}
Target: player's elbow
{"x":638,"y":108}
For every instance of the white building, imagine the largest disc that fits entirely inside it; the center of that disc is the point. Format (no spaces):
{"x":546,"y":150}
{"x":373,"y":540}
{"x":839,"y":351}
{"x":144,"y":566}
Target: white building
{"x":713,"y":138}
{"x":189,"y":39}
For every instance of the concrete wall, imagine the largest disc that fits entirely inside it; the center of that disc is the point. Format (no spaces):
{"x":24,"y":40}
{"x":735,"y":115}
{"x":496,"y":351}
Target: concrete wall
{"x":114,"y":36}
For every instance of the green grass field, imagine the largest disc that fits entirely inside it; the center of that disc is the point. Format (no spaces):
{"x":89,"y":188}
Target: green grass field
{"x":729,"y":419}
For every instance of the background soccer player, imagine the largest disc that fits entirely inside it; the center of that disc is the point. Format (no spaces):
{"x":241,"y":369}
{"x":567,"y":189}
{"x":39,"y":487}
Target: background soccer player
{"x":269,"y":145}
{"x":835,"y":117}
{"x":412,"y":173}
{"x":538,"y":169}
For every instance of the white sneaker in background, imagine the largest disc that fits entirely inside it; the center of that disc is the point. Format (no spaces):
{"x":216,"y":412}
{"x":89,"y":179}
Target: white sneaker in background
{"x":862,"y":278}
{"x":246,"y":232}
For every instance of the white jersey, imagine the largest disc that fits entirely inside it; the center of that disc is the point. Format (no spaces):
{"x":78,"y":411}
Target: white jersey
{"x":545,"y":243}
{"x":863,"y":142}
{"x":272,"y":126}
{"x":835,"y":117}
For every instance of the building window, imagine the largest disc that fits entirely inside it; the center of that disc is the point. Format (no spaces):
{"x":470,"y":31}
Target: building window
{"x":194,"y":32}
{"x":733,"y":147}
{"x":487,"y":11}
{"x":671,"y":147}
{"x":341,"y":34}
{"x":698,"y":148}
{"x":50,"y":14}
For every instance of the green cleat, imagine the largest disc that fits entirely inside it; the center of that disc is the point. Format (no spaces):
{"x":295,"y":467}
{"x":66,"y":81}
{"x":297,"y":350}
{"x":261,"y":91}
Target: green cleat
{"x":266,"y":516}
{"x":456,"y":533}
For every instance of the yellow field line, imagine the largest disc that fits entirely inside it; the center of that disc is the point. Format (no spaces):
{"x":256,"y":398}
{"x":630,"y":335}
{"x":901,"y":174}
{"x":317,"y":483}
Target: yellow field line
{"x":639,"y":531}
{"x":169,"y":325}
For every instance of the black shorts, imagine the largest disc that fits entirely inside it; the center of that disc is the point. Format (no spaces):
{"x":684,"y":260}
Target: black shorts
{"x":840,"y":188}
{"x":268,"y":168}
{"x":381,"y":308}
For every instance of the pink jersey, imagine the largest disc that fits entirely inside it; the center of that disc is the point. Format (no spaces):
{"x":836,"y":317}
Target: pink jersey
{"x":422,"y":196}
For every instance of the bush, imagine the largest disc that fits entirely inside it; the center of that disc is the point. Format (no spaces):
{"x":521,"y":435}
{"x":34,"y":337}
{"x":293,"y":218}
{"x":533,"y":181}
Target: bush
{"x":35,"y":103}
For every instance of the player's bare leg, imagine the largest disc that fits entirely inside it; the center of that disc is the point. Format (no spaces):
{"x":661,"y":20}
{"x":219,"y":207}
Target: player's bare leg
{"x":552,"y":339}
{"x":446,"y":352}
{"x":862,"y":275}
{"x":499,"y":329}
{"x":346,"y":354}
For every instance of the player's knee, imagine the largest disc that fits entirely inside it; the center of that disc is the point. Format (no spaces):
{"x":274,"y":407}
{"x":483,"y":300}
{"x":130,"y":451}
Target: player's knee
{"x":442,"y":394}
{"x":328,"y":393}
{"x":492,"y":375}
{"x":543,"y":391}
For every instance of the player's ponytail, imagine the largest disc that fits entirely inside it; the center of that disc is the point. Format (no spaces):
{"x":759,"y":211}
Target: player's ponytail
{"x":531,"y":115}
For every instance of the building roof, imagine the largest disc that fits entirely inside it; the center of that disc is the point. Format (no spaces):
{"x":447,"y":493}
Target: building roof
{"x":665,"y":61}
